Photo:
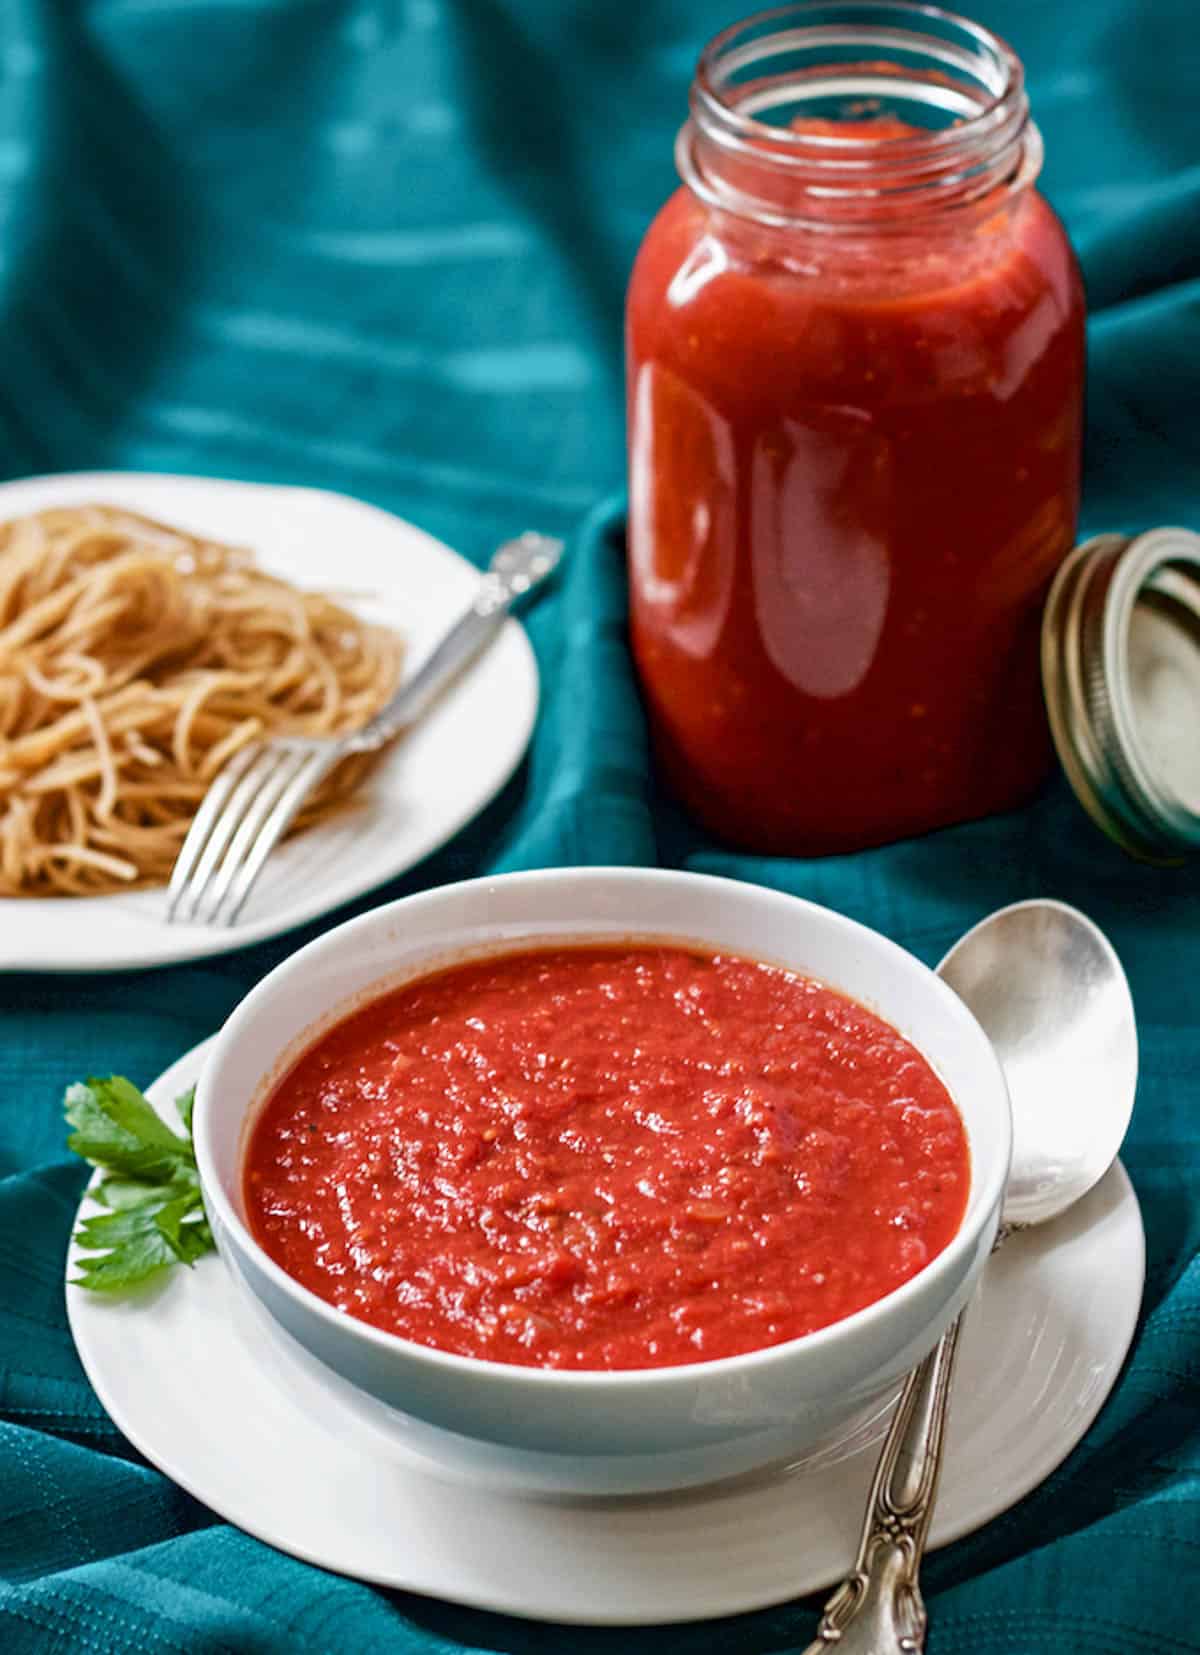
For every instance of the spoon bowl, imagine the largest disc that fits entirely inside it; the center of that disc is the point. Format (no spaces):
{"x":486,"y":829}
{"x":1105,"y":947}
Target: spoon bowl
{"x":1051,"y":995}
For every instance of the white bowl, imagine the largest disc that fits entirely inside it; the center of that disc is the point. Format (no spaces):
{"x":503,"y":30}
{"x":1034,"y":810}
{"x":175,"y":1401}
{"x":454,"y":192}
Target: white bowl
{"x":620,"y":1432}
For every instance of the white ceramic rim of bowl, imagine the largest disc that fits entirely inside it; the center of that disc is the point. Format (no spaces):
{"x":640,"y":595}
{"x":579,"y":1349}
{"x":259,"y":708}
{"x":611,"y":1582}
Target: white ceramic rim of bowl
{"x":983,"y":1198}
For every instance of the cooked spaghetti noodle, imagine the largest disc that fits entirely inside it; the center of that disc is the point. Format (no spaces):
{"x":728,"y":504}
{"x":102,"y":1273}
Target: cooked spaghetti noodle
{"x":135,"y":660}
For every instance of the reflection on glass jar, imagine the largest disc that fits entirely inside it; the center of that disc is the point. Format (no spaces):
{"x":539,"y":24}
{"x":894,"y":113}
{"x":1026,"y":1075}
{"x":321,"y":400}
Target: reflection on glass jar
{"x":855,"y":360}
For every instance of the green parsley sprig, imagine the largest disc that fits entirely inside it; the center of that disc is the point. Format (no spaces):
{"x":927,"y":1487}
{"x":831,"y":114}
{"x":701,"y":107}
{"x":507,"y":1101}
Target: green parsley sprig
{"x":150,"y":1185}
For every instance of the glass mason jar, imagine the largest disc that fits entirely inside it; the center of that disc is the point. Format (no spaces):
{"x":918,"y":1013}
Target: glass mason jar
{"x":855,"y":370}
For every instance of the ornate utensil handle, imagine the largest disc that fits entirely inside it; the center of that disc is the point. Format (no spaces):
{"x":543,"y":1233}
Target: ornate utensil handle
{"x":516,"y":568}
{"x":879,"y":1610}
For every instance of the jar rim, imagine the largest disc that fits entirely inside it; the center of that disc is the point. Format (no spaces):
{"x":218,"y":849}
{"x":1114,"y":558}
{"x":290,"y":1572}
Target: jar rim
{"x":708,"y":80}
{"x":971,"y":73}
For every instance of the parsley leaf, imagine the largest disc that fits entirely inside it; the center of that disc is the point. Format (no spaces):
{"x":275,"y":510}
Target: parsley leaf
{"x":185,"y":1104}
{"x":151,"y":1187}
{"x":117,"y":1129}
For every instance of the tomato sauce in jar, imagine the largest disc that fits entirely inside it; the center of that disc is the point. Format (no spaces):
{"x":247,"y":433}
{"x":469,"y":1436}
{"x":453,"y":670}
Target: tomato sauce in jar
{"x":855,"y":369}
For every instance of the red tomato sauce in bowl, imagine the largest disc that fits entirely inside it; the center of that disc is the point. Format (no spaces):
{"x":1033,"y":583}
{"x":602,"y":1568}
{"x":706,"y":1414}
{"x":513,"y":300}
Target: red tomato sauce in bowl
{"x":607,"y":1157}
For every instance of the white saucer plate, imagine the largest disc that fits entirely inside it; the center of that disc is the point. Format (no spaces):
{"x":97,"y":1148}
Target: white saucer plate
{"x":427,"y":786}
{"x":1041,"y":1350}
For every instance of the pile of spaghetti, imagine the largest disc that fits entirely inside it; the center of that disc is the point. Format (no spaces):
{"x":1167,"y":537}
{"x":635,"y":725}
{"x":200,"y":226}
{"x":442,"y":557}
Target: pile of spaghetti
{"x":135,"y":659}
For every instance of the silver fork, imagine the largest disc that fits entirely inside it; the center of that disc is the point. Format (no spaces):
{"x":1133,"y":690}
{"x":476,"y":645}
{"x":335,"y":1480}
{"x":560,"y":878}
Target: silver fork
{"x":255,"y":797}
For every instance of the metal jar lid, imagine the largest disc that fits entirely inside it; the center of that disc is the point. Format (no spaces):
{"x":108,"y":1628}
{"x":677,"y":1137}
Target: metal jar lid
{"x":1121,"y":672}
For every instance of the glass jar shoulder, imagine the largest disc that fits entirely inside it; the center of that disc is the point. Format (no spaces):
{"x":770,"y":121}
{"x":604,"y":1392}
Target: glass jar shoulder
{"x":738,"y":306}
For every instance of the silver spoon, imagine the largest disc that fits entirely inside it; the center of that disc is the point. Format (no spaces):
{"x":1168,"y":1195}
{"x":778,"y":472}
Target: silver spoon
{"x":1050,"y":993}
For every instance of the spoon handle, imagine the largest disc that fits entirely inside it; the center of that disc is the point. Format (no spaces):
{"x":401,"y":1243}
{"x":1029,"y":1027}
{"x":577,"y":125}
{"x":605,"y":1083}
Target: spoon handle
{"x":878,"y":1609}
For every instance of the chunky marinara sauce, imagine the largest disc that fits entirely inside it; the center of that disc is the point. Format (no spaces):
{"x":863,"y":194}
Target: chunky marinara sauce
{"x":596,"y":1157}
{"x":854,"y":469}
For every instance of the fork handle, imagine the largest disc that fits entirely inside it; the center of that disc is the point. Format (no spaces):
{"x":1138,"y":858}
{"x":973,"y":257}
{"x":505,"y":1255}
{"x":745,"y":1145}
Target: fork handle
{"x":517,"y":568}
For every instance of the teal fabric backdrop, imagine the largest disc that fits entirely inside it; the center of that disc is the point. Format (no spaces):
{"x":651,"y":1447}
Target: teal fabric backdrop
{"x":381,"y":245}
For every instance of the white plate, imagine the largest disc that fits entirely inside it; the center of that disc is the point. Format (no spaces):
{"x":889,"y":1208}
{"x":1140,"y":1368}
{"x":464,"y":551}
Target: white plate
{"x":1040,"y":1352}
{"x":426,"y":787}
